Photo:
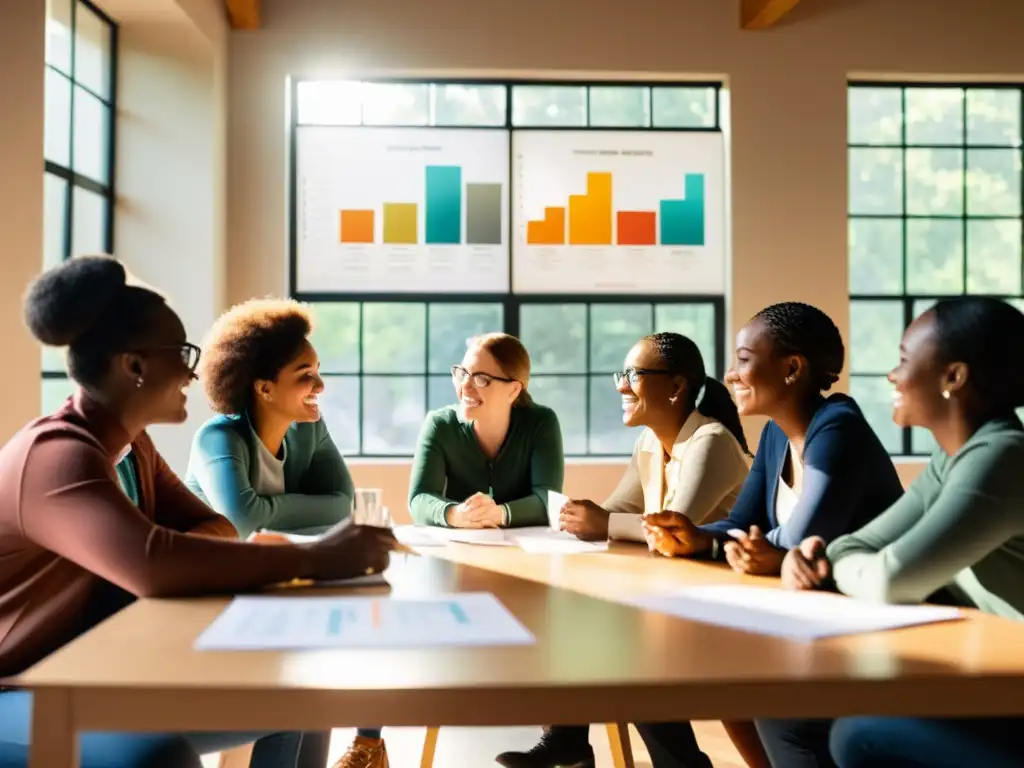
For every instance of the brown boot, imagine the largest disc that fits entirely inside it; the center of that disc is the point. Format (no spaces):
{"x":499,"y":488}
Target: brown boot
{"x":365,"y":752}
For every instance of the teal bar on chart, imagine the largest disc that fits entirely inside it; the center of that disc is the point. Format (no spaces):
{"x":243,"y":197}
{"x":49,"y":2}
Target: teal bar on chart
{"x":444,"y":205}
{"x":682,"y":221}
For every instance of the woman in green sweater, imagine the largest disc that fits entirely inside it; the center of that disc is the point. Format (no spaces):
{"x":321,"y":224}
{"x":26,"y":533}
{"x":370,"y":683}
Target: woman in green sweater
{"x":490,"y":460}
{"x":958,"y":531}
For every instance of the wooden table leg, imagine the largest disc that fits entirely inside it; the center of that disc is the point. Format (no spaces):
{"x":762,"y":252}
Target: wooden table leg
{"x":618,"y":739}
{"x":54,"y":740}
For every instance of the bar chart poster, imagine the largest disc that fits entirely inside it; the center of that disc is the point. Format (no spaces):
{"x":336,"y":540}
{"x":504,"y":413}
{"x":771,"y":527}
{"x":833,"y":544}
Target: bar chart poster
{"x":395,"y":210}
{"x":618,"y":212}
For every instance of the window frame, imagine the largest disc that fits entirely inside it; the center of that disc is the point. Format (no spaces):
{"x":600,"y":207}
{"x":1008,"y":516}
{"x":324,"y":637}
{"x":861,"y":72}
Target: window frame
{"x":74,"y":180}
{"x":511,"y":302}
{"x":908,"y":299}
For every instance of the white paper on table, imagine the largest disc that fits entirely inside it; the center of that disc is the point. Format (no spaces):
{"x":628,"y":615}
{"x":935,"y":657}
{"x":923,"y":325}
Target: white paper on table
{"x":494,"y":537}
{"x":311,"y":623}
{"x":418,"y":536}
{"x":790,"y":614}
{"x":543,"y":540}
{"x":555,"y":502}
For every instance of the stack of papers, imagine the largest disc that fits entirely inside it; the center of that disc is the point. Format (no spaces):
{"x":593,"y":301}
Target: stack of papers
{"x":793,"y":615}
{"x":312,"y":623}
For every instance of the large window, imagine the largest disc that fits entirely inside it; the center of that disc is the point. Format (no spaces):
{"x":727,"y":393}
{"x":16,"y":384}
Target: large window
{"x":386,"y":357}
{"x":934,"y":211}
{"x":78,"y":149}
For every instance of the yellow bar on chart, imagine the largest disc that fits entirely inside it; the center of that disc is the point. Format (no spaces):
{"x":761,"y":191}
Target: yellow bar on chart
{"x":590,"y":215}
{"x":400,"y":223}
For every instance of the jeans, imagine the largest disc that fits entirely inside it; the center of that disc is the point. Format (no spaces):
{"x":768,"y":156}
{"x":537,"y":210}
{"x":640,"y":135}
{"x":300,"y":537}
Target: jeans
{"x":883,"y":742}
{"x":670,"y":745}
{"x":157,"y":750}
{"x":887,"y":742}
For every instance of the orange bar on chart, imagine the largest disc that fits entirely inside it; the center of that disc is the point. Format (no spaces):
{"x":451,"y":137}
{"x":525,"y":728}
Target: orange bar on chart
{"x":356,"y":226}
{"x":548,"y":231}
{"x":590,"y":215}
{"x":636,"y":227}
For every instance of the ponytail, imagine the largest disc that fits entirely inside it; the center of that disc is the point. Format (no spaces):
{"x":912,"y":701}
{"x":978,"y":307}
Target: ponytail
{"x":716,"y":403}
{"x":524,"y":400}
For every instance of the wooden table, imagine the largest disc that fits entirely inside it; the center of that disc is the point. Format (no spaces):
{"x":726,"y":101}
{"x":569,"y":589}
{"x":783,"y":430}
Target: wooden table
{"x":594,"y":661}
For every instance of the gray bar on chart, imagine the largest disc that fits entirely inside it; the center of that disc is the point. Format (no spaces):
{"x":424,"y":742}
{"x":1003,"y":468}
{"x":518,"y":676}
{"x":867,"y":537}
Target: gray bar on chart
{"x":483,"y":214}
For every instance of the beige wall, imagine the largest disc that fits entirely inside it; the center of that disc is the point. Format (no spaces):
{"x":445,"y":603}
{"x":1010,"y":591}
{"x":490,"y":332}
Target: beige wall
{"x":22,"y":51}
{"x":788,"y":122}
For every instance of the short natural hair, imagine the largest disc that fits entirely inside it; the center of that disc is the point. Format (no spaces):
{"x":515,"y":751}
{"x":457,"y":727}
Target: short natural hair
{"x":251,"y":341}
{"x":512,"y":358}
{"x":988,"y":336}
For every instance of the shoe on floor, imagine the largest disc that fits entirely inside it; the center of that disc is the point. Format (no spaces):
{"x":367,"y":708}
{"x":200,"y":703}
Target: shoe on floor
{"x":553,"y":750}
{"x":365,"y":752}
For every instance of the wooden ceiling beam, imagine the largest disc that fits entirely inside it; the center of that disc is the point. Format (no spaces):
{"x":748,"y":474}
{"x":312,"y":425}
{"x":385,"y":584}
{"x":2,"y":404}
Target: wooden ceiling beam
{"x":762,"y":14}
{"x":243,"y":14}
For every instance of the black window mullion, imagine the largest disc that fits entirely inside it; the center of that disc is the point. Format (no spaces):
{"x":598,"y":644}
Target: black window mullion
{"x":586,"y":379}
{"x":426,"y":356}
{"x":963,"y":201}
{"x":362,"y":387}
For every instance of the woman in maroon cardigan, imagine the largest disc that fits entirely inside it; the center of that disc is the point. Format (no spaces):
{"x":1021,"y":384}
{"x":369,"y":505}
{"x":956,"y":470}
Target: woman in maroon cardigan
{"x":91,"y":516}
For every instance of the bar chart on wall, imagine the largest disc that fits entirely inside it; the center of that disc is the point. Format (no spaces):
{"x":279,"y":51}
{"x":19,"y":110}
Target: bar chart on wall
{"x":401,"y":209}
{"x":618,"y":212}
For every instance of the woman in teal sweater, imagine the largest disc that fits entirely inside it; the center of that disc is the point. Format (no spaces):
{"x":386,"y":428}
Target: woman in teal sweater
{"x":267,"y":461}
{"x":956,"y":534}
{"x":489,"y":461}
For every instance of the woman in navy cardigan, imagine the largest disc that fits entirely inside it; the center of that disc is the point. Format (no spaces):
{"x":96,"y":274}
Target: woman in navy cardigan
{"x":819,"y":470}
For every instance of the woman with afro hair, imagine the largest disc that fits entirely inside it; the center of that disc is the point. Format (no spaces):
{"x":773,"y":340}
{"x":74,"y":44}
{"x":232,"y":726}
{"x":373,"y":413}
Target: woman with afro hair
{"x":266,"y":461}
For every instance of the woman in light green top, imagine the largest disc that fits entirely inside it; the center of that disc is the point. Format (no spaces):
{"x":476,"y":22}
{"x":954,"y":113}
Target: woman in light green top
{"x":958,"y":531}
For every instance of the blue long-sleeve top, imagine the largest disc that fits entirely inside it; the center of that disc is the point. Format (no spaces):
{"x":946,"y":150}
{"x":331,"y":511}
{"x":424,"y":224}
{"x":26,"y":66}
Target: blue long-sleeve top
{"x":848,"y":479}
{"x":223,"y":470}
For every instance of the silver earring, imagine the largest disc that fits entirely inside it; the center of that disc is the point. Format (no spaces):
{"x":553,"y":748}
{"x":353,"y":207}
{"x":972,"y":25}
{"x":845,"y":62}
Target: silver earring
{"x":945,"y":394}
{"x":138,"y":383}
{"x":790,"y":380}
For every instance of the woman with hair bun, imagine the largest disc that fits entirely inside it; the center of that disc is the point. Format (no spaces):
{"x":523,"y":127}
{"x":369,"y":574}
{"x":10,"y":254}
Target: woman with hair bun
{"x":91,"y":516}
{"x":819,"y":468}
{"x":490,"y":460}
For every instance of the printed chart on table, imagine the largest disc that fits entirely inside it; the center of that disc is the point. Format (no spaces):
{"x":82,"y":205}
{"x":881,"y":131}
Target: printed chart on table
{"x":297,"y":623}
{"x":618,"y":212}
{"x":401,"y":209}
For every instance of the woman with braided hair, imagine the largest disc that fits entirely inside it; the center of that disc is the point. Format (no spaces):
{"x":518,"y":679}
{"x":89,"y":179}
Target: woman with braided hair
{"x":819,"y":470}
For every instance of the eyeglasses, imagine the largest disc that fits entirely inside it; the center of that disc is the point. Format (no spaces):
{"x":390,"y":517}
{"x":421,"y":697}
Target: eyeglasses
{"x":632,"y":375}
{"x":479,"y":380}
{"x":189,"y":353}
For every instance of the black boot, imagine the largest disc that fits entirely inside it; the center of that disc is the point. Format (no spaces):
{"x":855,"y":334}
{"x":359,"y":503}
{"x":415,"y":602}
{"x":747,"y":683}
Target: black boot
{"x":561,"y":746}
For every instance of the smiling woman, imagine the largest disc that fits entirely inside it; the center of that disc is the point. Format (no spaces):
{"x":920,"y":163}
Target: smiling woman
{"x":267,"y":461}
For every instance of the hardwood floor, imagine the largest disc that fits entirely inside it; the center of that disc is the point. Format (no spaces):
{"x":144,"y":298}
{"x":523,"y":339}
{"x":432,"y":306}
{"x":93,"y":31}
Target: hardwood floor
{"x":476,"y":747}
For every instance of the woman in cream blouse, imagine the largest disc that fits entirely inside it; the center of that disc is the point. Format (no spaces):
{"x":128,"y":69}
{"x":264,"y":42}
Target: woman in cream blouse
{"x":691,"y":458}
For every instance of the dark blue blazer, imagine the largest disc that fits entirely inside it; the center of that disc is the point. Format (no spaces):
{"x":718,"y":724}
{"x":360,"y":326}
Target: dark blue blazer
{"x":848,"y":479}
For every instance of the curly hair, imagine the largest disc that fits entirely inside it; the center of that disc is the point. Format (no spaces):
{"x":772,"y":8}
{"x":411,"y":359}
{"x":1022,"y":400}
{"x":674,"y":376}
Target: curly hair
{"x":251,"y":341}
{"x":800,"y":329}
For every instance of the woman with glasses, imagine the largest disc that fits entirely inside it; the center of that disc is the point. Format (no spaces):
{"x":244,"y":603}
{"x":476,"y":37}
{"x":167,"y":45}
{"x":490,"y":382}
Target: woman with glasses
{"x":490,"y":460}
{"x":691,"y":458}
{"x":80,"y":540}
{"x":267,"y":461}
